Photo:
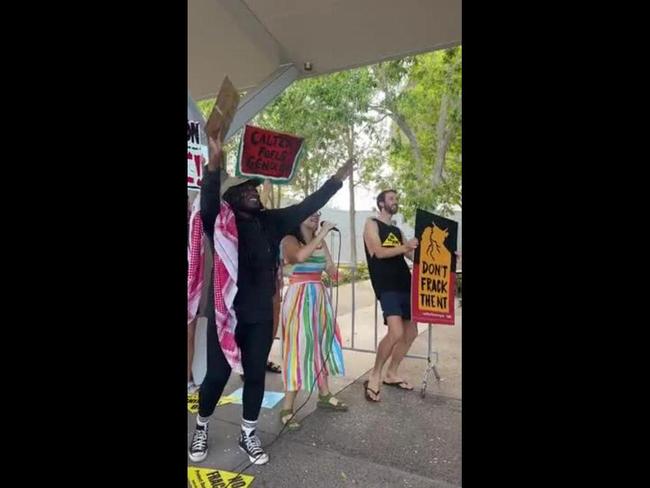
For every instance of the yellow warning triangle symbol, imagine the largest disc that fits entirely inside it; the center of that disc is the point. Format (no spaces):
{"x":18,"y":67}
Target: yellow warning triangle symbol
{"x":216,"y":478}
{"x":392,"y":241}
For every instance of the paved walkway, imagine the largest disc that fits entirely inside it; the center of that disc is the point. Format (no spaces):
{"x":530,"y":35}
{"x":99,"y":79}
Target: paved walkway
{"x":403,"y":441}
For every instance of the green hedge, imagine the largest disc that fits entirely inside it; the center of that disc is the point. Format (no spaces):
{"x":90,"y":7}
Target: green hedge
{"x":345,"y":274}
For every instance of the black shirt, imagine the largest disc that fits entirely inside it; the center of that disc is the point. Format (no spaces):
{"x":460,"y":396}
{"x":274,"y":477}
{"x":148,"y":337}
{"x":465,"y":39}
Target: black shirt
{"x":388,"y":274}
{"x":259,"y":244}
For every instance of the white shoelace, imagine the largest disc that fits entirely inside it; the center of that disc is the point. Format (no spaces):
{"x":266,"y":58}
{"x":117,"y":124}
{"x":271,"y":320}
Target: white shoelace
{"x":253,"y":444}
{"x":200,"y":440}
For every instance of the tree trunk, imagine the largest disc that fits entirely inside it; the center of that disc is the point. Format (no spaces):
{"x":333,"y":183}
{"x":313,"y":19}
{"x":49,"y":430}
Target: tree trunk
{"x":445,"y":130}
{"x":279,"y":197}
{"x":266,"y":196}
{"x":413,"y":141}
{"x":306,"y":185}
{"x":443,"y":137}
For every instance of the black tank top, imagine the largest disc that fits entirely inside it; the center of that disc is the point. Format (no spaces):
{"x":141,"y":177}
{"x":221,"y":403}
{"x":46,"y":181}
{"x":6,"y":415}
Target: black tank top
{"x":388,"y":274}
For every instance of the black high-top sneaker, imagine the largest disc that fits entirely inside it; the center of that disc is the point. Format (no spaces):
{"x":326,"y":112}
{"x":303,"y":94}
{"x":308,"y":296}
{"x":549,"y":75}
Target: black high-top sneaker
{"x":252,"y":446}
{"x":199,"y":448}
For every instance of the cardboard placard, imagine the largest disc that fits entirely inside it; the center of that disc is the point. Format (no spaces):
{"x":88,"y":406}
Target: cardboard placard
{"x":223,"y":111}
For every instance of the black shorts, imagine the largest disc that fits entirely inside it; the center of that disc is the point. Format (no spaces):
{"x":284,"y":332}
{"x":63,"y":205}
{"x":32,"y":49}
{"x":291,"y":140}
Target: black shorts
{"x":396,"y":303}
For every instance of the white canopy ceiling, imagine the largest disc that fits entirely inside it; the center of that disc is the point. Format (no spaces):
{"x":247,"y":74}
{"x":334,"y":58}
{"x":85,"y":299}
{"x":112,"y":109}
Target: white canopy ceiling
{"x":250,"y":40}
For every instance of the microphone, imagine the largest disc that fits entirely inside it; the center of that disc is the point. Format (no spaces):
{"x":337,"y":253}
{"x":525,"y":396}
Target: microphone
{"x":333,"y":228}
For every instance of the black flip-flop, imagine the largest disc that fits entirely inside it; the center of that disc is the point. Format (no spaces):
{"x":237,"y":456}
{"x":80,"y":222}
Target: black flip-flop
{"x":399,"y":385}
{"x":368,"y":397}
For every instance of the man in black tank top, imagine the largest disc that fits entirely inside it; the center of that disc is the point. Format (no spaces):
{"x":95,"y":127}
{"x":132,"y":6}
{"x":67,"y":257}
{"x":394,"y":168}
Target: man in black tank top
{"x":391,"y":280}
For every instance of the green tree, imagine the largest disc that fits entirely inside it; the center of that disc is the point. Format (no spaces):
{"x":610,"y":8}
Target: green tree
{"x":293,"y":112}
{"x":423,"y":98}
{"x":331,"y":113}
{"x":343,"y":115}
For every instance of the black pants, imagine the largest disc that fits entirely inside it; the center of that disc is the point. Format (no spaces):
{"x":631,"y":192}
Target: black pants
{"x":254,"y":340}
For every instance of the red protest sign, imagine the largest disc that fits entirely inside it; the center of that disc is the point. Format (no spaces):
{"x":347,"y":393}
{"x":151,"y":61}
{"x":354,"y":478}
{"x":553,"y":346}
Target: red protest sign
{"x":268,"y":155}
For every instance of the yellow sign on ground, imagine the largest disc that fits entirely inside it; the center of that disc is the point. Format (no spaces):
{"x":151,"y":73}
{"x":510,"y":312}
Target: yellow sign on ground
{"x":193,"y":402}
{"x":225,"y":400}
{"x":217,"y":478}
